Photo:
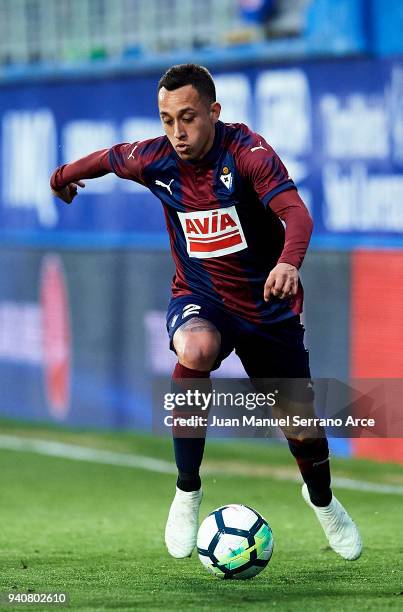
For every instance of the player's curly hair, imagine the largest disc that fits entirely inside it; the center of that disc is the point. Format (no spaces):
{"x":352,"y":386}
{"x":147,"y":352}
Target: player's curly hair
{"x":189,"y":74}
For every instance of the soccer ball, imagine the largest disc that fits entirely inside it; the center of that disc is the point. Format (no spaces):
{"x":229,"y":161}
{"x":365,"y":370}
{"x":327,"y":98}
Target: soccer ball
{"x":235,"y":541}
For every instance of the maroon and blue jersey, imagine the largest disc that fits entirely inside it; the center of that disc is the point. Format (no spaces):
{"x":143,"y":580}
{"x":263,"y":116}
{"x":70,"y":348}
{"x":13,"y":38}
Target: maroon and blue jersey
{"x":225,"y":215}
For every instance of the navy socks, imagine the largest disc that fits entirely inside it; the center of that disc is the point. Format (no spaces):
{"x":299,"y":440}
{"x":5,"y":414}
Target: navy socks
{"x":189,"y":451}
{"x":312,"y":457}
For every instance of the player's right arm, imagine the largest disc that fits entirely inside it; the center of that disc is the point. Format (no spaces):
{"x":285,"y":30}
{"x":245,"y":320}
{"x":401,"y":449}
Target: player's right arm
{"x":69,"y":192}
{"x":119,"y":159}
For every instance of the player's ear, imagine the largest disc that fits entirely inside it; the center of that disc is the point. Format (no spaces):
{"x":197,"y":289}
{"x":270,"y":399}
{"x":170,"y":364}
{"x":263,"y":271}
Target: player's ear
{"x":215,"y":110}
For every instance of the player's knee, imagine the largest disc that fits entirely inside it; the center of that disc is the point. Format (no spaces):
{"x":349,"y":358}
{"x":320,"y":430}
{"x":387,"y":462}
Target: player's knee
{"x":198,"y":351}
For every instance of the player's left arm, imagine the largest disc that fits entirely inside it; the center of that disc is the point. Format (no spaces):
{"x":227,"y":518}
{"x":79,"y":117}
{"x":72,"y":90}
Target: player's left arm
{"x":284,"y":277}
{"x":274,"y":187}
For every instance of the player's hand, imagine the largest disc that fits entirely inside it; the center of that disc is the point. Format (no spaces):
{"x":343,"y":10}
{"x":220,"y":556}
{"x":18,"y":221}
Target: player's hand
{"x":281,"y":282}
{"x":68,"y":193}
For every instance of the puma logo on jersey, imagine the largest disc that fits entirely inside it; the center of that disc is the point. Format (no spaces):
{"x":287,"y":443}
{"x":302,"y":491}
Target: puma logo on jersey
{"x":212,"y":233}
{"x":259,"y":147}
{"x":166,"y":185}
{"x":131,"y":153}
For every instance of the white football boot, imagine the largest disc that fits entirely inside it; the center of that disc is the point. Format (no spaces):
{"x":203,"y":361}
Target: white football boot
{"x":183,"y":523}
{"x":339,"y":528}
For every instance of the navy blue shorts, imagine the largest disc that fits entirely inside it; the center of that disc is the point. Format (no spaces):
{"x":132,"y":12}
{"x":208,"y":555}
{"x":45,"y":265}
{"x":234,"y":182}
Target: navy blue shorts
{"x":274,"y":350}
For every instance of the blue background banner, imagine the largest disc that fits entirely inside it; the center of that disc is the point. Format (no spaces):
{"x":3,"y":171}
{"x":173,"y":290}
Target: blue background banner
{"x":337,"y":125}
{"x":92,"y":357}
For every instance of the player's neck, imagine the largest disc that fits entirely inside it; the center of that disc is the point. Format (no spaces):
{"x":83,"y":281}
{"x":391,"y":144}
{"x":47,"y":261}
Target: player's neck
{"x":208,"y":146}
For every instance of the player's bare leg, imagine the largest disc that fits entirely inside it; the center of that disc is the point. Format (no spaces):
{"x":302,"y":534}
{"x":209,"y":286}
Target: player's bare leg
{"x":197,"y":344}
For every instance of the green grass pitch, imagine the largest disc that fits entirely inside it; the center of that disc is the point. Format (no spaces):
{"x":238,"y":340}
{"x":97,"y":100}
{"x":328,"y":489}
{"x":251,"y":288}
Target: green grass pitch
{"x":96,"y":531}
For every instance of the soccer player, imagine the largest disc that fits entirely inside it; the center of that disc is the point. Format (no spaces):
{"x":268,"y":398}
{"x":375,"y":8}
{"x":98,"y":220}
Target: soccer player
{"x":226,"y":197}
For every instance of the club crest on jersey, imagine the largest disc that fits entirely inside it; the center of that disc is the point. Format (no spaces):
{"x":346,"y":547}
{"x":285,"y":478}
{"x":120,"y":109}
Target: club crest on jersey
{"x":212,"y":233}
{"x":226,"y":177}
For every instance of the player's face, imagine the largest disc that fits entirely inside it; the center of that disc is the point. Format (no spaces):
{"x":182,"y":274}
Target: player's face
{"x":188,"y":120}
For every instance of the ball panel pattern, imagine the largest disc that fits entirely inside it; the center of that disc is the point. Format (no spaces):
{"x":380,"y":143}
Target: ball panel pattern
{"x":235,"y":542}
